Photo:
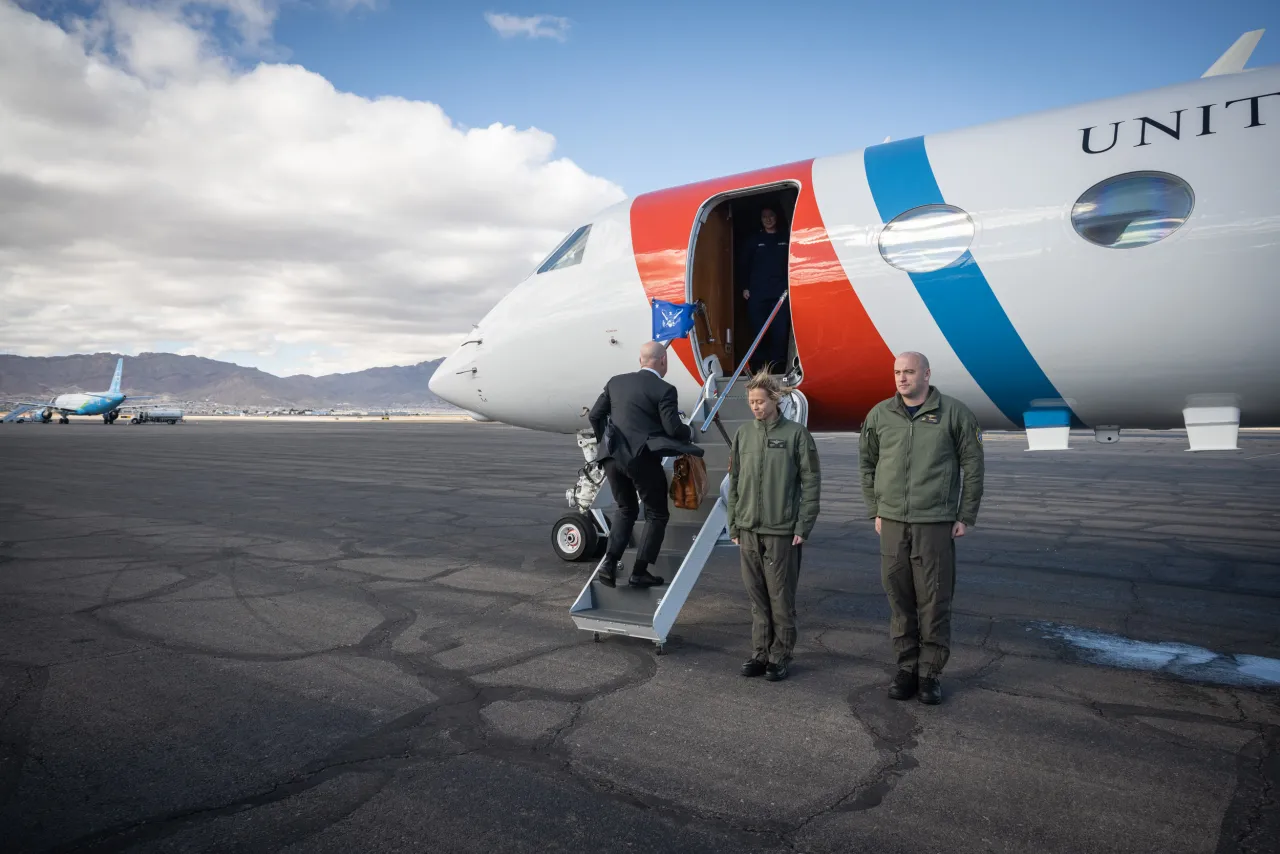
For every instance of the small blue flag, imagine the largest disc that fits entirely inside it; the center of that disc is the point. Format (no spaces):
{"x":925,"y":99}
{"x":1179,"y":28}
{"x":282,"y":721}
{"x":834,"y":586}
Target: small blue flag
{"x":672,"y":319}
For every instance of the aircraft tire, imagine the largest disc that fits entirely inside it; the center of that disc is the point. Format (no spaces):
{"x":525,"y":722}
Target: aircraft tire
{"x":574,"y":537}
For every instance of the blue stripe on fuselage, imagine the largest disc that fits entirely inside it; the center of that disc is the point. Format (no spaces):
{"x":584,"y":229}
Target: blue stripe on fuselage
{"x":100,"y":405}
{"x":959,"y":297}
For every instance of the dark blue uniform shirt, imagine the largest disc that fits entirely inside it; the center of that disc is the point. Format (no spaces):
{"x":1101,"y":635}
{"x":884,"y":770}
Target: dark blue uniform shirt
{"x":765,"y":266}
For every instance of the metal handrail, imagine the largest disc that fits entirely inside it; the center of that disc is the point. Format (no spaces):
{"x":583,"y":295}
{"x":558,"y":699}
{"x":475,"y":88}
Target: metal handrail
{"x":724,"y":395}
{"x":703,"y":396}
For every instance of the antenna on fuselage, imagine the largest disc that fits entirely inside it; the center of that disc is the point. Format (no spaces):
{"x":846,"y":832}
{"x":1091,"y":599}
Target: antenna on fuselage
{"x":1232,"y":62}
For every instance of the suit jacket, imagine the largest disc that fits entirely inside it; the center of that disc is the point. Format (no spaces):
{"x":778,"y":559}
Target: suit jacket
{"x":640,"y":411}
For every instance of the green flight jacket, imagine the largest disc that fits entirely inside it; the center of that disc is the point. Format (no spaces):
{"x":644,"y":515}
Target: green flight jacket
{"x":911,"y":466}
{"x":774,"y":479}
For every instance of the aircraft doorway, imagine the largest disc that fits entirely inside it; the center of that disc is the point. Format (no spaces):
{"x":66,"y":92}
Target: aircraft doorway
{"x":738,"y":269}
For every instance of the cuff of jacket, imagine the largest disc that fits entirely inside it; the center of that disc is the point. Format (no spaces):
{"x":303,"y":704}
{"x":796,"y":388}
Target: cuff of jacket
{"x":969,"y":521}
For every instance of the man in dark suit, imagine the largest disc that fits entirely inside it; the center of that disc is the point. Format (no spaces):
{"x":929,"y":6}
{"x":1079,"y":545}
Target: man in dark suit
{"x":637,"y":422}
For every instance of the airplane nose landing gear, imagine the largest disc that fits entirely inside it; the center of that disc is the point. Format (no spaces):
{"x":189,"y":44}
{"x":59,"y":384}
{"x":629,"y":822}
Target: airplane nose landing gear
{"x":574,"y":537}
{"x":582,"y":533}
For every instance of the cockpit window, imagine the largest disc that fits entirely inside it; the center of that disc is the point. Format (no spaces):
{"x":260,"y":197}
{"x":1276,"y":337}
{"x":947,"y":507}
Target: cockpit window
{"x":568,"y":253}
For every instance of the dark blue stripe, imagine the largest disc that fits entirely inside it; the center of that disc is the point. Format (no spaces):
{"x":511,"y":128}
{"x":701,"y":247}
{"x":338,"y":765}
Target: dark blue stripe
{"x":959,"y":297}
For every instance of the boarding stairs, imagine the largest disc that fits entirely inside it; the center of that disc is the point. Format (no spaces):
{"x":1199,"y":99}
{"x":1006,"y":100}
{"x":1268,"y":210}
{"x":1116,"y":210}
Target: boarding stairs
{"x":692,"y":536}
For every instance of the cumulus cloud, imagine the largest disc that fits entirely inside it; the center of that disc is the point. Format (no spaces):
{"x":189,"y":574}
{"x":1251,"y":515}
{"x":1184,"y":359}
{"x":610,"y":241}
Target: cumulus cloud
{"x":534,"y":26}
{"x":157,"y":195}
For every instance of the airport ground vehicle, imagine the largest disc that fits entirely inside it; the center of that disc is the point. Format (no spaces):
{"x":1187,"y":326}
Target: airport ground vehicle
{"x":157,"y":415}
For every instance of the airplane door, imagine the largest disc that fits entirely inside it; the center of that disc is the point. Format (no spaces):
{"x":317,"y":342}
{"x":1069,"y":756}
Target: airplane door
{"x":713,"y":284}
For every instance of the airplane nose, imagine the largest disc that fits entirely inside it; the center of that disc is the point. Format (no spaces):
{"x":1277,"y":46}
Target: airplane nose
{"x":444,"y":385}
{"x":449,"y":380}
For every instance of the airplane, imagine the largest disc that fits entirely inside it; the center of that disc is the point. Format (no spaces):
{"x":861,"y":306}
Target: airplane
{"x":105,"y":403}
{"x":1107,"y":266}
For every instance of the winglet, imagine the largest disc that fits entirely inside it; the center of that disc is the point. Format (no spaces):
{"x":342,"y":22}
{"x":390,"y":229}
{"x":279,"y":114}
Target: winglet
{"x":1232,"y":62}
{"x":115,"y":381}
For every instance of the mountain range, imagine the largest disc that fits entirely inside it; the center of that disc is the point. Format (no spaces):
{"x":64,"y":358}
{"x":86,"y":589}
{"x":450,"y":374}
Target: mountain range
{"x":193,"y":378}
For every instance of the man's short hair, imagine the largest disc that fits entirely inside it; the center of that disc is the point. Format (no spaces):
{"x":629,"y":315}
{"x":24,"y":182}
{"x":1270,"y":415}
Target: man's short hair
{"x":924,"y":360}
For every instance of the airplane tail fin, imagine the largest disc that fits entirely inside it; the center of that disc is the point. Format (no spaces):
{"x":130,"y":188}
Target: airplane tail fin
{"x":1233,"y":61}
{"x":115,"y":381}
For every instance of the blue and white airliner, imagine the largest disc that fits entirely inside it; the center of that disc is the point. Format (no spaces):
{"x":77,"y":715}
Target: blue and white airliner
{"x":105,"y":403}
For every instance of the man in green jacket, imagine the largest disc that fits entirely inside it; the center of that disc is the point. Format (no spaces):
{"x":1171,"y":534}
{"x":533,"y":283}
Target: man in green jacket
{"x":774,"y":485}
{"x":912,"y":451}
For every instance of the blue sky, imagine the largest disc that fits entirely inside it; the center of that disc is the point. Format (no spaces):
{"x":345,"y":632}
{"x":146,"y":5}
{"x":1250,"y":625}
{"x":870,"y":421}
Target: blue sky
{"x":661,"y":93}
{"x":251,"y":213}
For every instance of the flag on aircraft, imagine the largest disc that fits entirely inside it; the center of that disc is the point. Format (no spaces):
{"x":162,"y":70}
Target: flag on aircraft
{"x":672,"y":319}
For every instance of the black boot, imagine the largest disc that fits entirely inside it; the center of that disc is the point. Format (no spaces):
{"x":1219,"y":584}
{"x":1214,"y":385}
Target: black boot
{"x":904,"y":685}
{"x":776,"y":672}
{"x":930,"y":690}
{"x":608,"y":574}
{"x":752,"y":667}
{"x":644,"y":579}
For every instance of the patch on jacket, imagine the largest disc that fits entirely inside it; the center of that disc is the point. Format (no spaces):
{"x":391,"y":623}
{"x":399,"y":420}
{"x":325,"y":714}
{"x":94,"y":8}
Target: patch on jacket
{"x":979,"y":435}
{"x":931,"y":418}
{"x":777,"y":443}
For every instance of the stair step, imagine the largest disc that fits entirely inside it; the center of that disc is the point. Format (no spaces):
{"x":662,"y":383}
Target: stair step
{"x":626,"y":618}
{"x":633,"y":603}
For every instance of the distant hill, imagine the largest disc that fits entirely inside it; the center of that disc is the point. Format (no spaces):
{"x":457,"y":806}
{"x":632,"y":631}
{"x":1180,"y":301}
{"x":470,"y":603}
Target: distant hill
{"x":193,"y":378}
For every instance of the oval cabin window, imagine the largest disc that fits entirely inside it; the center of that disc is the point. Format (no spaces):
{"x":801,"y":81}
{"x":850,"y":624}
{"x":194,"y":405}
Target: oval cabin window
{"x":1134,"y":209}
{"x":927,"y":238}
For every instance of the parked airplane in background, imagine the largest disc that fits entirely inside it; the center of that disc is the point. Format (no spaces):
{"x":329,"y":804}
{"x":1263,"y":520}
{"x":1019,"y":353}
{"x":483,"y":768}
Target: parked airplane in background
{"x":1109,"y":265}
{"x":105,"y":403}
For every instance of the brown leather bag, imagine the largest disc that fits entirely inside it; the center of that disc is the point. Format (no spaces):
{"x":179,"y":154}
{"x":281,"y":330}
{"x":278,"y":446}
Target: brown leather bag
{"x":688,"y":482}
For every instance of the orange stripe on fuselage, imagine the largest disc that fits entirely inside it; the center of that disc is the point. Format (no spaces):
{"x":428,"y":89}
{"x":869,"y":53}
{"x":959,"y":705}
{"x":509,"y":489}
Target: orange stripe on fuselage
{"x":847,"y":366}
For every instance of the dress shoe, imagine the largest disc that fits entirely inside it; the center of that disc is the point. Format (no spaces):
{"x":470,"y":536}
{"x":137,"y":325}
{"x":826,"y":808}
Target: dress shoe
{"x":930,"y":691}
{"x":904,"y":685}
{"x":644,"y":579}
{"x":775,"y":672}
{"x":608,"y":574}
{"x":753,"y":667}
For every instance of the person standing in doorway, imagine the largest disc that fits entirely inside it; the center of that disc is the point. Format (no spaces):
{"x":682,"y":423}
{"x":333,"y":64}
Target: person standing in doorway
{"x":912,"y":451}
{"x":763,"y":267}
{"x":774,"y":486}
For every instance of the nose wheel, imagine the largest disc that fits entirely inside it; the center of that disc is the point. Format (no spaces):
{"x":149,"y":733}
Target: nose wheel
{"x":574,"y":537}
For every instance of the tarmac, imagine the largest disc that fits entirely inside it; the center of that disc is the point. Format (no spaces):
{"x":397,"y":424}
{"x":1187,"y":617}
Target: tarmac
{"x":331,"y":637}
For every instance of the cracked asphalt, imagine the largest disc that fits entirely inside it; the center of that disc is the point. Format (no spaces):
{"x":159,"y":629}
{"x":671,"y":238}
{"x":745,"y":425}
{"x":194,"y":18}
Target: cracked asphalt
{"x":355,"y":637}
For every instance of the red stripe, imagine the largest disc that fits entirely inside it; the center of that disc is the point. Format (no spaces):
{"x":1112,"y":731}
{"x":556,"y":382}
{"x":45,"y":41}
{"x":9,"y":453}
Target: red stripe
{"x":847,"y":366}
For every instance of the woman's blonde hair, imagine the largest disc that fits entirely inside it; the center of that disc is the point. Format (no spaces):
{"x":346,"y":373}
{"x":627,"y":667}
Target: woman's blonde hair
{"x":768,"y":383}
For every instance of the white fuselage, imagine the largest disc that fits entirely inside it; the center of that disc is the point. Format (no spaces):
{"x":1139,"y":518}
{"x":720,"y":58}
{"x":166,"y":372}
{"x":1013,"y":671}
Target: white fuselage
{"x":1033,"y":316}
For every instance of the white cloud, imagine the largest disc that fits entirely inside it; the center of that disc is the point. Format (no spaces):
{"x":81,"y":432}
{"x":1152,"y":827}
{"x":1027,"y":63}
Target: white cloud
{"x":155,"y":197}
{"x":534,"y":26}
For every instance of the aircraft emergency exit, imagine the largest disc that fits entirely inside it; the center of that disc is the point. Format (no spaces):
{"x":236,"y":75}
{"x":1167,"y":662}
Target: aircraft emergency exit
{"x":1108,"y":265}
{"x":105,"y":403}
